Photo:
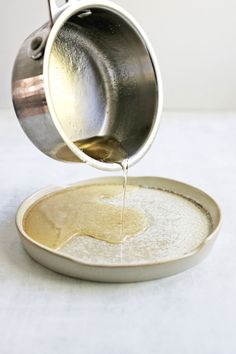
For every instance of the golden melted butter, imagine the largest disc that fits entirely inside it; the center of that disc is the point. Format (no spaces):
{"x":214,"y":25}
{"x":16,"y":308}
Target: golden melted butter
{"x":83,"y":211}
{"x":102,"y":148}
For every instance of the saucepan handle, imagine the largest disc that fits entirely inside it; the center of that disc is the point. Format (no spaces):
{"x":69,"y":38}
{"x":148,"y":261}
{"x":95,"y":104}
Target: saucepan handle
{"x":38,"y":43}
{"x":55,"y":10}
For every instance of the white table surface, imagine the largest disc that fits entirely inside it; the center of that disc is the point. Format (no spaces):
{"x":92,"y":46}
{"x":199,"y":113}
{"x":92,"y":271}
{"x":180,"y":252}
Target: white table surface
{"x":193,"y":312}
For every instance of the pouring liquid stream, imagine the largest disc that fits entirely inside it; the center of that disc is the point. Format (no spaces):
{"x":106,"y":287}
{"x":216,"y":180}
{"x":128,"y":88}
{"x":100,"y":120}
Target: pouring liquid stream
{"x":125,"y":168}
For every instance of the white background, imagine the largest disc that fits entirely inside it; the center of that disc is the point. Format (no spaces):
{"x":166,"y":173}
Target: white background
{"x":192,"y":312}
{"x":195,"y":43}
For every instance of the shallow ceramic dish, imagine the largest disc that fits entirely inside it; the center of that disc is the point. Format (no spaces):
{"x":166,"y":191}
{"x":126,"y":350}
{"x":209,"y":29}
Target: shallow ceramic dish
{"x":122,"y":273}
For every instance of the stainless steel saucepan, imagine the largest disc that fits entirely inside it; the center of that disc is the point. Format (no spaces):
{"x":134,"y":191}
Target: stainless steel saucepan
{"x":88,"y":80}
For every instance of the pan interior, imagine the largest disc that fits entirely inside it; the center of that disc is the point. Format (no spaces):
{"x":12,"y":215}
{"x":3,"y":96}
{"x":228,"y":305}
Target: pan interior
{"x":103,"y":84}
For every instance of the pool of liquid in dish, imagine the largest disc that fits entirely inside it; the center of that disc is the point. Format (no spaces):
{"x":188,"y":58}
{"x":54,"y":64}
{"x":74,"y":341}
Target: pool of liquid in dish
{"x":83,"y":211}
{"x":84,"y":222}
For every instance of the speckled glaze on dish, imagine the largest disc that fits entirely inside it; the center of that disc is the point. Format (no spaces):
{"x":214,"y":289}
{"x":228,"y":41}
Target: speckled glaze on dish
{"x":71,"y":266}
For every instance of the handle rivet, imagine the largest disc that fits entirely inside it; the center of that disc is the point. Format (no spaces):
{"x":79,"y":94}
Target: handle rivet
{"x":36,"y":43}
